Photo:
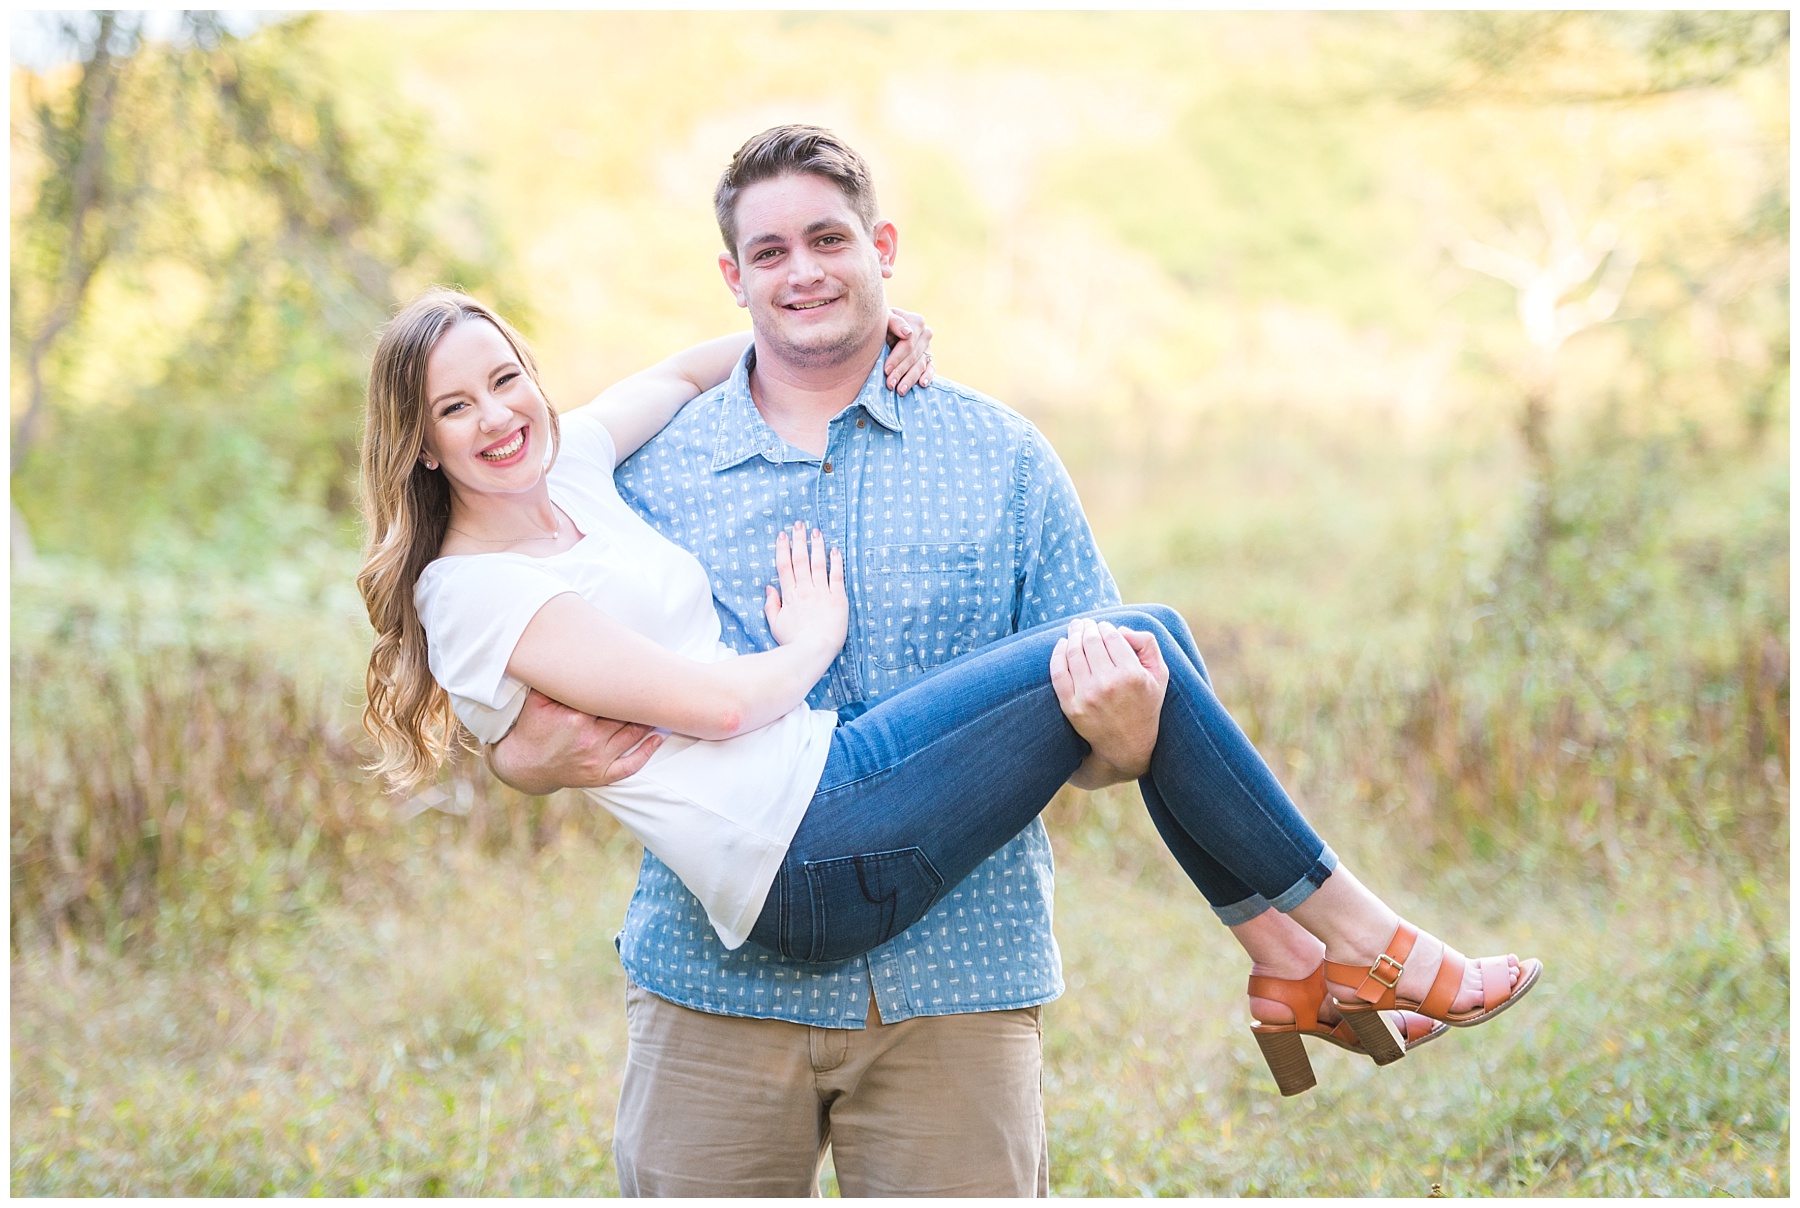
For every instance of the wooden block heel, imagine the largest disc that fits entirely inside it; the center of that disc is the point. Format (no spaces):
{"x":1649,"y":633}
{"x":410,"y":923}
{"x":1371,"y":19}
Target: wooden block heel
{"x":1282,"y":1045}
{"x":1286,"y":1054}
{"x":1379,"y":1038}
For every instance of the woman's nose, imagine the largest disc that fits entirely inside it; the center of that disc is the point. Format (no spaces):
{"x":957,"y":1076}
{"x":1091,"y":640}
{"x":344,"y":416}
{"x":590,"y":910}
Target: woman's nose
{"x":493,"y":413}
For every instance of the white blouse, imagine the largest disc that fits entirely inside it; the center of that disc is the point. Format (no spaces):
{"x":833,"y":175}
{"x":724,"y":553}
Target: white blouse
{"x":720,"y":814}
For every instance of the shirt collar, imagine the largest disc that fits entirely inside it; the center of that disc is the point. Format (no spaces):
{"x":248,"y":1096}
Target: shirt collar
{"x":743,"y":433}
{"x":881,"y":404}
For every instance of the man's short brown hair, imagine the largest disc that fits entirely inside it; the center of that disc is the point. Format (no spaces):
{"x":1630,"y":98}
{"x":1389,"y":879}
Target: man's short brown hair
{"x":785,"y":151}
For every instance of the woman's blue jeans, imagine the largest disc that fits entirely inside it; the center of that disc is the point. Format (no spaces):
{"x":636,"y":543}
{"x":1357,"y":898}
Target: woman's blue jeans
{"x":933,"y":780}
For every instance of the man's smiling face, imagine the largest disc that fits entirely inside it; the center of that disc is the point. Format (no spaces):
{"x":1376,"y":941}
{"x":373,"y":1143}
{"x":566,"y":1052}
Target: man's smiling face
{"x":808,"y":271}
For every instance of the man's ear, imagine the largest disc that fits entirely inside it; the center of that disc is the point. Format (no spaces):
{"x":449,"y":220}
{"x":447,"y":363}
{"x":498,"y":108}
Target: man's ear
{"x":887,"y":245}
{"x":728,"y":269}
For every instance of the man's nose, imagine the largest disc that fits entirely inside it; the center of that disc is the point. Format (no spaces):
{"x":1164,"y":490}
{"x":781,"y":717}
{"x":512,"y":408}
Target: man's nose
{"x":804,"y":269}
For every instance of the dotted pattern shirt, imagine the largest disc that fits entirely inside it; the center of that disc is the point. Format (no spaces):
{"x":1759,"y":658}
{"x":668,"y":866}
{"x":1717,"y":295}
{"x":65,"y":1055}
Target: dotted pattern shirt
{"x":959,"y":526}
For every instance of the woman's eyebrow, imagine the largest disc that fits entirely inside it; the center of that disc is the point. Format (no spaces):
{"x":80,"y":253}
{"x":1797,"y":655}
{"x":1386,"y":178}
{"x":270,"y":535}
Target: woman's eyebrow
{"x":500,"y":368}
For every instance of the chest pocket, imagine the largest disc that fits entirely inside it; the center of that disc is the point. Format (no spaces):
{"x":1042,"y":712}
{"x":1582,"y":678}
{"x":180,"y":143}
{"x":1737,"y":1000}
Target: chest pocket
{"x":927,"y":602}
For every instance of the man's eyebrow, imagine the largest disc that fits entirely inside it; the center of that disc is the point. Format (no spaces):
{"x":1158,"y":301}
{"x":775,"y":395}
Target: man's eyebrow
{"x":812,"y":228}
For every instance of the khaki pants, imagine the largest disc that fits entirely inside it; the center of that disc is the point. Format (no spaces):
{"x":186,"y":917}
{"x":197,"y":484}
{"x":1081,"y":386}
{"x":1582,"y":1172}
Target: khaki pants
{"x":714,"y":1105}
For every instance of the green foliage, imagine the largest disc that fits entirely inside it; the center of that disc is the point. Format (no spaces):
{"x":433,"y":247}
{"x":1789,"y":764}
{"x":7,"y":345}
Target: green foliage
{"x":1539,"y":58}
{"x":257,"y":217}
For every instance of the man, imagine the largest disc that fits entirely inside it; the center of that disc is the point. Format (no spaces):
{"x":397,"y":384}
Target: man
{"x":919,"y":1063}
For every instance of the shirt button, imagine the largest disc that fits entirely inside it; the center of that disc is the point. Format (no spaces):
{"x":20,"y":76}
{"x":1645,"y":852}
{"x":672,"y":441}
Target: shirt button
{"x":827,"y":467}
{"x":862,"y":423}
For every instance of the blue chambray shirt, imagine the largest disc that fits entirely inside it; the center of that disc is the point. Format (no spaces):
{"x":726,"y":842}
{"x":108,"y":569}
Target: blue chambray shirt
{"x":959,"y":525}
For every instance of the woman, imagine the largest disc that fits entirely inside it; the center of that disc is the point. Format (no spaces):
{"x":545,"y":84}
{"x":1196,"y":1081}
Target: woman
{"x":501,"y":559}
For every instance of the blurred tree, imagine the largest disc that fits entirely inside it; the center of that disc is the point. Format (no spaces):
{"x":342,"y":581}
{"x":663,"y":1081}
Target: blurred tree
{"x":206,"y":231}
{"x":70,"y":231}
{"x":1717,"y":262}
{"x":1560,"y":58}
{"x":1549,"y":316}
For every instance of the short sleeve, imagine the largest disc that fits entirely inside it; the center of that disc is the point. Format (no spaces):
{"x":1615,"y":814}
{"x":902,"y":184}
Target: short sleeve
{"x":474,"y":610}
{"x":586,"y":444}
{"x":1060,"y":569}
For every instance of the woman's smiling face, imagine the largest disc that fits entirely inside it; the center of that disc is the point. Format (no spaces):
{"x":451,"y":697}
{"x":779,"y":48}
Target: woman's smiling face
{"x":488,"y":423}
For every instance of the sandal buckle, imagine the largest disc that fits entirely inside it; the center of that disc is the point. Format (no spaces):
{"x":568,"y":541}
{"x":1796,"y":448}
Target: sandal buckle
{"x":1375,"y":970}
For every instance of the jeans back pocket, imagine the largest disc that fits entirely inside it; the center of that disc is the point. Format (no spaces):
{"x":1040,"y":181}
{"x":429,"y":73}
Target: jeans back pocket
{"x":860,"y":902}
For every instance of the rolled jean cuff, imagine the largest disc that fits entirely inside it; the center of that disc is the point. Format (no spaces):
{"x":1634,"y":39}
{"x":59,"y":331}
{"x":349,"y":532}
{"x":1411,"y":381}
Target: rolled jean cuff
{"x":1241,"y":912}
{"x":1315,"y":876}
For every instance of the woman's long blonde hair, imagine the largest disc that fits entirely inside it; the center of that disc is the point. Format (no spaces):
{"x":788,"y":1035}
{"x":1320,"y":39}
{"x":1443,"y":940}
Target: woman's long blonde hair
{"x":406,"y":508}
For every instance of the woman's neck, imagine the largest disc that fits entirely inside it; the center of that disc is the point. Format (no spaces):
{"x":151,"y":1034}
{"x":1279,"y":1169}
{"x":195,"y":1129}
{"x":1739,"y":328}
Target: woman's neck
{"x":527,"y":524}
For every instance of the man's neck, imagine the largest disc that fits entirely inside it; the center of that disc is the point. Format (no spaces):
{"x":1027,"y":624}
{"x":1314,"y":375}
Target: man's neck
{"x":800,"y":402}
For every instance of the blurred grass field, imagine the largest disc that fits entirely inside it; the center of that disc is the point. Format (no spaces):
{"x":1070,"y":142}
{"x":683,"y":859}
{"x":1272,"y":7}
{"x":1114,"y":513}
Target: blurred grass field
{"x":465,"y":1036}
{"x":1512,"y":627}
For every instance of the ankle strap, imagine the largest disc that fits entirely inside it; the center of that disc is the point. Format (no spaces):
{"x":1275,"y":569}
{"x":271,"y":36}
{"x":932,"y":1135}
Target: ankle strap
{"x":1301,"y":995}
{"x":1375,"y":984}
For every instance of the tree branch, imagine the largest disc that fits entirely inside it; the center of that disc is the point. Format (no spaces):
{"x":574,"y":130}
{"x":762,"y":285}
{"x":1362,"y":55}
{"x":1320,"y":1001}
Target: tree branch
{"x":99,"y":89}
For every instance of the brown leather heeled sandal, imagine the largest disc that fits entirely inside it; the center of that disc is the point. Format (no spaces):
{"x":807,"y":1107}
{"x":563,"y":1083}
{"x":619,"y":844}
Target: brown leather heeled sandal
{"x":1375,"y":992}
{"x":1281,"y":1045}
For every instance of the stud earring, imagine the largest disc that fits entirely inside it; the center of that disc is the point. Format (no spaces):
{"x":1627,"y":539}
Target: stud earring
{"x":430,"y":464}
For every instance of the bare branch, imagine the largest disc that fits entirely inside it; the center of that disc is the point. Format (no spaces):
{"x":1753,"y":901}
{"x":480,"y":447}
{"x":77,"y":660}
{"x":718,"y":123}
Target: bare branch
{"x":1491,"y":261}
{"x":1603,"y":303}
{"x":1568,"y":261}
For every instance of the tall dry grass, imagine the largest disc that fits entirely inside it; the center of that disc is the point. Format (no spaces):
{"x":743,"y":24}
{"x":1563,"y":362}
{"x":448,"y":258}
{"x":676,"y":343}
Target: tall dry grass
{"x":168,"y":748}
{"x":1617,"y":697}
